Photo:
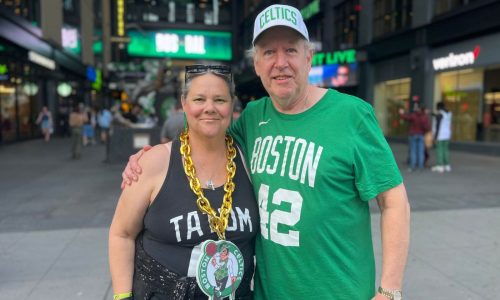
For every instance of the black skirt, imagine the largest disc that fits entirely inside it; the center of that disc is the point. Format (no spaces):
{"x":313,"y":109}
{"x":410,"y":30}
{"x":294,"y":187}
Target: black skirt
{"x":153,"y":281}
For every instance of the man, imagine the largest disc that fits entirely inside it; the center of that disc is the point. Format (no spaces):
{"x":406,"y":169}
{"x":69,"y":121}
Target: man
{"x":442,"y":136}
{"x":315,"y":157}
{"x":419,"y":125}
{"x":173,"y":125}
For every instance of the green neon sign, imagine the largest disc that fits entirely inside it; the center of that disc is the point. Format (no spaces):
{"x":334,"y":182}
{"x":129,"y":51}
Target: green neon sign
{"x":332,"y":58}
{"x":96,"y":47}
{"x":3,"y":69}
{"x":310,"y":10}
{"x":97,"y":84}
{"x":186,"y":44}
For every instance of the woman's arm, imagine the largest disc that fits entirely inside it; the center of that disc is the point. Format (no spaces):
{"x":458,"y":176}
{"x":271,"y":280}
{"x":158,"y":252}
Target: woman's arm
{"x":129,"y":215}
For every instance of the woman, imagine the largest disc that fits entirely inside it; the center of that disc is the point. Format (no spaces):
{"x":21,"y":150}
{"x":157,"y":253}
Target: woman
{"x":160,"y":230}
{"x":45,"y":121}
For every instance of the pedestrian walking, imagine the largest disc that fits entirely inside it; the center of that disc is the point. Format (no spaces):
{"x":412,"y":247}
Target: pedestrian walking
{"x":104,"y":120}
{"x":89,"y":126}
{"x":76,"y":120}
{"x":46,"y":123}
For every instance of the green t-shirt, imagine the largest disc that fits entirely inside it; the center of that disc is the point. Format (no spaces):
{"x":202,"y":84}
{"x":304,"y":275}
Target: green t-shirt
{"x":313,"y":173}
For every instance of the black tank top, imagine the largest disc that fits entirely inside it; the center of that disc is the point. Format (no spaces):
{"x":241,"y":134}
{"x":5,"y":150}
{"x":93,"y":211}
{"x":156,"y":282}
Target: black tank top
{"x":174,"y":227}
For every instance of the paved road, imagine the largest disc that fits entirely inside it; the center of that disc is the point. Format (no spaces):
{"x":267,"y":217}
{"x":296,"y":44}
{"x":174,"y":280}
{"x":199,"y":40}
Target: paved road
{"x":54,"y":214}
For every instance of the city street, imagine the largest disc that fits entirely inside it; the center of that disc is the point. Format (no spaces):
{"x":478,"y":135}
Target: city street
{"x":55,"y":213}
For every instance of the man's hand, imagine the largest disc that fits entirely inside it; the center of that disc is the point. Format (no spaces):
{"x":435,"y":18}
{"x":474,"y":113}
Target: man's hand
{"x":132,"y":169}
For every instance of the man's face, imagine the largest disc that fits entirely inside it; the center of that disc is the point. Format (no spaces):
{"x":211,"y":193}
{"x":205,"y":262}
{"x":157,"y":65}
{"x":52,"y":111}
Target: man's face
{"x":283,"y":64}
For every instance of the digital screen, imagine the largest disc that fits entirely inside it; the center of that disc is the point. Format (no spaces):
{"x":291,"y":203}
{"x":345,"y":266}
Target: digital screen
{"x":186,"y":44}
{"x":335,"y":75}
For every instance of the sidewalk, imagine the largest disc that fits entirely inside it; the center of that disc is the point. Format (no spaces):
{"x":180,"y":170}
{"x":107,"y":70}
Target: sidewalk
{"x":55,"y":214}
{"x":54,"y":221}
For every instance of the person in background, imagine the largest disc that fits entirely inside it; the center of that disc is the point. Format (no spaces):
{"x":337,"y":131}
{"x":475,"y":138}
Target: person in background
{"x":156,"y":236}
{"x":238,"y":108}
{"x":173,"y":125}
{"x":419,"y":125}
{"x":88,"y":134}
{"x":428,"y":142}
{"x":442,"y":135}
{"x":104,"y":120}
{"x":76,"y":120}
{"x":119,"y":118}
{"x":313,"y":185}
{"x":46,"y":123}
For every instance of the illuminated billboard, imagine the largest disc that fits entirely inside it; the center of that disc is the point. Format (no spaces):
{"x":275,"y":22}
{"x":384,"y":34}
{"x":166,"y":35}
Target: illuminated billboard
{"x":185,"y":44}
{"x":334,"y":69}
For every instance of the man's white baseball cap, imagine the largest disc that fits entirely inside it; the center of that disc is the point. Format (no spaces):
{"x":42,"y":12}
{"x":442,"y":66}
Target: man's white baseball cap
{"x":279,"y":15}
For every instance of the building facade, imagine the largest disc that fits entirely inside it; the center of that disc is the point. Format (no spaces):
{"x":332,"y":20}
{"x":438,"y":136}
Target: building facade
{"x":409,"y":51}
{"x":31,"y":69}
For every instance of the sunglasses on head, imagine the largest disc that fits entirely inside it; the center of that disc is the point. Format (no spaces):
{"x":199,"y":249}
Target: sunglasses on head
{"x":202,"y":69}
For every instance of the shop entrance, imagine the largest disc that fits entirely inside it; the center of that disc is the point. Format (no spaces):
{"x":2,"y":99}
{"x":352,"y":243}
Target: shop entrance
{"x":461,"y":93}
{"x":465,"y":108}
{"x":7,"y":113}
{"x":390,"y":96}
{"x":491,"y":110}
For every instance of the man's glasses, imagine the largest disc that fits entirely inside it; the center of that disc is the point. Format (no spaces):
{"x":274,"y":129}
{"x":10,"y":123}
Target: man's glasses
{"x":202,"y":69}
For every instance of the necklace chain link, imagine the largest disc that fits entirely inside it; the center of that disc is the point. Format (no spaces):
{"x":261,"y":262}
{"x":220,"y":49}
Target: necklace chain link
{"x":217,"y":223}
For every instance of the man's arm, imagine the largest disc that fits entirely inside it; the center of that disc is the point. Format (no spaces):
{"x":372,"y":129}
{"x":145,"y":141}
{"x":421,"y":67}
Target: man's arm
{"x":395,"y":231}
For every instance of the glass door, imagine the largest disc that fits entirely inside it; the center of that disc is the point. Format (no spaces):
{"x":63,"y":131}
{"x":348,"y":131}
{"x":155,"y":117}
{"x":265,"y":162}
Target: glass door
{"x":8,"y":112}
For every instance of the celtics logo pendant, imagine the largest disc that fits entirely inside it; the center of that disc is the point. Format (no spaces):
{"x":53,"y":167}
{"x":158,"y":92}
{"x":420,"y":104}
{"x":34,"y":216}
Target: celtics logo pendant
{"x":220,"y":269}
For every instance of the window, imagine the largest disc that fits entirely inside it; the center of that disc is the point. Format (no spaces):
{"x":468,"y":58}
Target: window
{"x":391,"y":16}
{"x":346,"y":24}
{"x":30,"y":10}
{"x":196,"y":11}
{"x":391,"y":96}
{"x":444,"y":6}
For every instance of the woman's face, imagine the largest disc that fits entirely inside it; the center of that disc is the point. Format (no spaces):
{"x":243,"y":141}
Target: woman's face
{"x":208,"y":106}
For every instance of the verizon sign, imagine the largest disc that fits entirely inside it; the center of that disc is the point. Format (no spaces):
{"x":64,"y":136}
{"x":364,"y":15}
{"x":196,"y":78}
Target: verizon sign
{"x":456,"y":60}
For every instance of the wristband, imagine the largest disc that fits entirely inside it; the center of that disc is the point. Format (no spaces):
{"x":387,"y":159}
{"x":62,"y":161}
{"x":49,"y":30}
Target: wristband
{"x":122,"y":296}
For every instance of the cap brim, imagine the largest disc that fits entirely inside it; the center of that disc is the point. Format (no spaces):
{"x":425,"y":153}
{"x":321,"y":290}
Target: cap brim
{"x":281,"y":25}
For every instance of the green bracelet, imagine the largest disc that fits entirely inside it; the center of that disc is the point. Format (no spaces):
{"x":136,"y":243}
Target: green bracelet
{"x":122,"y":296}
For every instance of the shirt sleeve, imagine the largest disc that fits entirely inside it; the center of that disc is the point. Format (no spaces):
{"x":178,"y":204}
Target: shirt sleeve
{"x":375,"y":168}
{"x":237,"y":131}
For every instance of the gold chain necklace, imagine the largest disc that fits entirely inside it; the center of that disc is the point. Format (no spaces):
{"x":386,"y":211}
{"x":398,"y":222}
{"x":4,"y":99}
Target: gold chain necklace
{"x":217,"y":223}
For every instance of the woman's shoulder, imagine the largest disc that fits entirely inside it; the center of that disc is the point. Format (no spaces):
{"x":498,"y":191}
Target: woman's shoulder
{"x":156,"y":159}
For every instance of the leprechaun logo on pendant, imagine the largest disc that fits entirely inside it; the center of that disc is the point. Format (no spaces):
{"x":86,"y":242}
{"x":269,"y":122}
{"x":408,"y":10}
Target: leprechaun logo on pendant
{"x":220,"y":269}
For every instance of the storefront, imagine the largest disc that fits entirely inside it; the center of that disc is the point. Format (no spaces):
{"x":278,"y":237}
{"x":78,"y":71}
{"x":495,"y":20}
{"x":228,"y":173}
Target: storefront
{"x":467,"y":80}
{"x":391,"y":92}
{"x":21,"y":94}
{"x":30,"y":71}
